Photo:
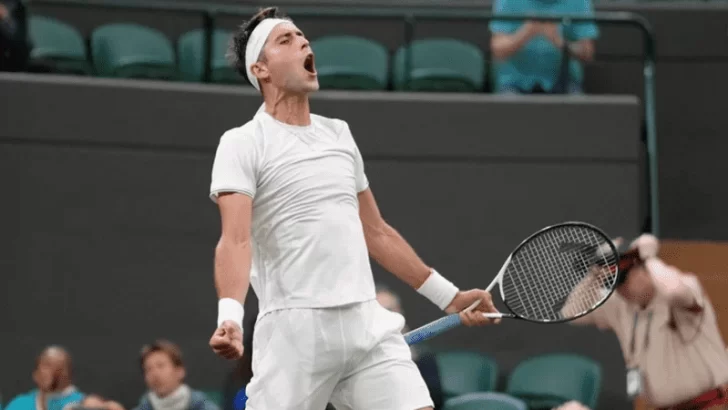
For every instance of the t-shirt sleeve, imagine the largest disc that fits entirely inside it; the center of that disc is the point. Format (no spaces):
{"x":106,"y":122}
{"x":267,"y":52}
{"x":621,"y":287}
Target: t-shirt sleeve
{"x":362,"y":183}
{"x":505,"y":26}
{"x":235,"y":168}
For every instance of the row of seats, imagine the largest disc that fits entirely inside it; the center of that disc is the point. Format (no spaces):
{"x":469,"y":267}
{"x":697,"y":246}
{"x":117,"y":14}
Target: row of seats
{"x":342,"y":62}
{"x":469,"y":381}
{"x":542,"y":381}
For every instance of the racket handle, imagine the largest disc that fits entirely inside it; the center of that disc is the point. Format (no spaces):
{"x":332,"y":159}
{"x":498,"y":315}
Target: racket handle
{"x":433,"y":329}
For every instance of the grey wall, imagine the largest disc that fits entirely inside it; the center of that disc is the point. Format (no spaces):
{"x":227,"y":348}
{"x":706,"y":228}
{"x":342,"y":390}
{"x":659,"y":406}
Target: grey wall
{"x":108,"y":235}
{"x":692,"y":61}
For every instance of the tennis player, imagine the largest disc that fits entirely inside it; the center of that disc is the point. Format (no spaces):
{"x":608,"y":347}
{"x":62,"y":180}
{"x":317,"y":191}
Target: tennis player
{"x":299,"y":223}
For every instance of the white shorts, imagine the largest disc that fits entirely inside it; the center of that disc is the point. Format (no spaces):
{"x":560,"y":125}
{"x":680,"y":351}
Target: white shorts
{"x":353,"y":357}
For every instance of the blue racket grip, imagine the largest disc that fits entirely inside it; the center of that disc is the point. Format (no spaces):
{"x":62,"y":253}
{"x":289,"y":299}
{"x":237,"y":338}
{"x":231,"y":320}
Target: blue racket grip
{"x":433,"y":329}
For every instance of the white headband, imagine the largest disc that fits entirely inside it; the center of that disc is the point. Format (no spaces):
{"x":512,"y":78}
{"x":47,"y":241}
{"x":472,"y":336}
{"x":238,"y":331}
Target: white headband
{"x":256,"y":41}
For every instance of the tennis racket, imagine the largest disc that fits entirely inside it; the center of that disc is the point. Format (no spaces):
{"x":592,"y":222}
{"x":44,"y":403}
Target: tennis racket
{"x":558,"y":274}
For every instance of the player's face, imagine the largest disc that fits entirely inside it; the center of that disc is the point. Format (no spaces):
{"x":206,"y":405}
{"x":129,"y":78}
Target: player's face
{"x":161,"y":375}
{"x":638,"y":287}
{"x":290,"y":61}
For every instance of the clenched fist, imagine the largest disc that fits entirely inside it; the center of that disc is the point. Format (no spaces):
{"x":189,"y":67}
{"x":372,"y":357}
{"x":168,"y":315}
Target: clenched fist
{"x":227,"y":341}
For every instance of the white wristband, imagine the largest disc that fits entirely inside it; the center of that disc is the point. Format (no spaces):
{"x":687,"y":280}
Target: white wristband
{"x":229,"y":309}
{"x":438,"y":290}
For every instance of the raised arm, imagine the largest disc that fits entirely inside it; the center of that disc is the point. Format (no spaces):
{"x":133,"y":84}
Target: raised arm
{"x":680,"y":290}
{"x":582,"y":298}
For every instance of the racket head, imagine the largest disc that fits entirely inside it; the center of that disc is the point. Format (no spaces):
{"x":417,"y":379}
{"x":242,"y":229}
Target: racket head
{"x":546,"y":268}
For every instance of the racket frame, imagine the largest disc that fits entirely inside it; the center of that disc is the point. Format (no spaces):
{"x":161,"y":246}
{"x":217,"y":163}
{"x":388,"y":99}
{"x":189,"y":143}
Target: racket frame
{"x":453,"y":320}
{"x":607,"y":240}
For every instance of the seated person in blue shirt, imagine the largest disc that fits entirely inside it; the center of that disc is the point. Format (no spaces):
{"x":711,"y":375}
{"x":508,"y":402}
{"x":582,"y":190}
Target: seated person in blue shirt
{"x":528,"y":55}
{"x":53,"y":378}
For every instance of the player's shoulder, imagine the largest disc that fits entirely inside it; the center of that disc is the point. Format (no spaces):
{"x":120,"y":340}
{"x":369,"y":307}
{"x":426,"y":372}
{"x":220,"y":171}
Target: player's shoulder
{"x":334,"y":125}
{"x":246,"y":133}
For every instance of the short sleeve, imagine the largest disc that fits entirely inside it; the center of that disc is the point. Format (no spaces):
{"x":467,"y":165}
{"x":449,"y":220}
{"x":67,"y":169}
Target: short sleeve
{"x":235,"y":167}
{"x":583,"y":30}
{"x":505,"y":26}
{"x":362,"y":183}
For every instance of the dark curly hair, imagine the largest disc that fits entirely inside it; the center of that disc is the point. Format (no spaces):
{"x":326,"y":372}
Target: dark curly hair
{"x":239,"y":41}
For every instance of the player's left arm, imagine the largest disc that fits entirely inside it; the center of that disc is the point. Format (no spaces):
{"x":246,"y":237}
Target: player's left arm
{"x":393,"y":253}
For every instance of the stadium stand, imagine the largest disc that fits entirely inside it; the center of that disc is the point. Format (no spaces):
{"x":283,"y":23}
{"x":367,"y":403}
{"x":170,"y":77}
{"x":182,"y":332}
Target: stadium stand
{"x":546,"y":381}
{"x":58,"y":43}
{"x":463,"y":372}
{"x":191,"y":58}
{"x":349,"y":62}
{"x":436,"y":59}
{"x":132,"y":51}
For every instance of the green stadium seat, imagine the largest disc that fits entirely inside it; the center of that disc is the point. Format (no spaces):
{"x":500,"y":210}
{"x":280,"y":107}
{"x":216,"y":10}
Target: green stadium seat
{"x":464,"y":372}
{"x":546,"y":381}
{"x":353,"y":63}
{"x":191,"y":55}
{"x":440,"y":65}
{"x":485,"y":401}
{"x":59,"y":44}
{"x":132,"y":51}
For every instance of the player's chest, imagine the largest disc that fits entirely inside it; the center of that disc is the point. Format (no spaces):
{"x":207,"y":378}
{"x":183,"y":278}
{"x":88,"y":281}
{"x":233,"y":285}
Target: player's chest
{"x":310,"y":165}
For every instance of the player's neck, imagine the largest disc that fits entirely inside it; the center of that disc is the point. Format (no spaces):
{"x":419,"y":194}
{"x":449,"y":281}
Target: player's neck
{"x":289,"y":109}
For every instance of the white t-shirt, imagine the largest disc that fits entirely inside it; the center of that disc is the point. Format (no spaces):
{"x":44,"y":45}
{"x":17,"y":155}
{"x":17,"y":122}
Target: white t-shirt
{"x":308,"y":241}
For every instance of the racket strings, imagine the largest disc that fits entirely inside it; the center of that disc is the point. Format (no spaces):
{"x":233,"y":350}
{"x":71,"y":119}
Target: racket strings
{"x":560,"y":273}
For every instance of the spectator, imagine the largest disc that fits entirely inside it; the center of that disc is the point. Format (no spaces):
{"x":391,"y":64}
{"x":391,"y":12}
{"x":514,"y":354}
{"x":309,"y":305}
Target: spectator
{"x":164,"y":374}
{"x":529,"y":54}
{"x":14,"y":45}
{"x":426,"y":363}
{"x":53,"y":377}
{"x":667,"y":329}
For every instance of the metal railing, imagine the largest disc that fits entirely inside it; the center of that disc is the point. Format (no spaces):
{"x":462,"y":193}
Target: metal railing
{"x":410,"y":17}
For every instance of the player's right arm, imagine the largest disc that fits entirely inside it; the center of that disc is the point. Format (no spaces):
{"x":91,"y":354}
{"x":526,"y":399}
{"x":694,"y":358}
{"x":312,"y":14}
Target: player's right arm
{"x":233,"y":258}
{"x":233,"y":187}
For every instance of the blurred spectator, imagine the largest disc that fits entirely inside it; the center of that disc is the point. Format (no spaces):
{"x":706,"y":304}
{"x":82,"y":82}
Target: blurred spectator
{"x":96,"y":402}
{"x":529,"y":54}
{"x":667,"y":329}
{"x":164,"y":374}
{"x":53,"y":377}
{"x":14,"y":45}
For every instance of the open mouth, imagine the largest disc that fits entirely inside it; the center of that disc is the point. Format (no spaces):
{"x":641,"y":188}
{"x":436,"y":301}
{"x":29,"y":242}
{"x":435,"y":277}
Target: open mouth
{"x":308,"y":64}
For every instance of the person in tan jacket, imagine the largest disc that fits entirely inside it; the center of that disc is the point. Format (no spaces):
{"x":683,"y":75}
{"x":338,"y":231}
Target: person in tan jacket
{"x":667,"y":329}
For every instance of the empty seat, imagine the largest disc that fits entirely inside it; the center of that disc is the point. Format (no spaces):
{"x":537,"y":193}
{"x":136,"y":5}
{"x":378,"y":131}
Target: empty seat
{"x":59,"y":44}
{"x":440,"y":65}
{"x":132,"y":51}
{"x":464,"y":372}
{"x":549,"y":380}
{"x":348,"y":62}
{"x":485,"y":401}
{"x":191,"y":55}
